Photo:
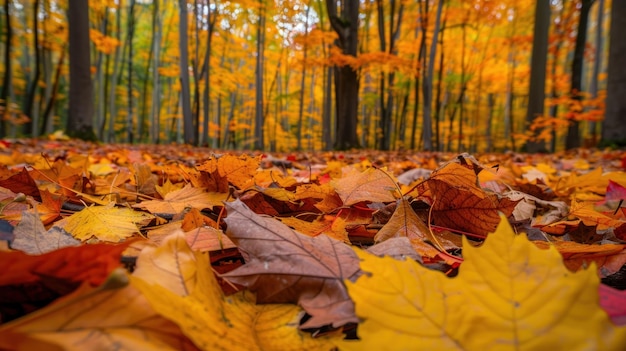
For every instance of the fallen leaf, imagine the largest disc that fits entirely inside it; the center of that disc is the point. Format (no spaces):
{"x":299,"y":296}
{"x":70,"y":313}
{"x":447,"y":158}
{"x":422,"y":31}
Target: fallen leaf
{"x":215,"y":322}
{"x":177,"y":200}
{"x":32,"y":238}
{"x":373,"y":184}
{"x":458,"y":203}
{"x":405,"y":223}
{"x":171,"y":264}
{"x":508,"y":295}
{"x":21,"y":183}
{"x":104,"y":318}
{"x":231,"y":169}
{"x":283,"y":266}
{"x":208,"y":239}
{"x":613,"y":301}
{"x":107,"y":223}
{"x":398,"y":248}
{"x":576,"y":255}
{"x":30,"y":282}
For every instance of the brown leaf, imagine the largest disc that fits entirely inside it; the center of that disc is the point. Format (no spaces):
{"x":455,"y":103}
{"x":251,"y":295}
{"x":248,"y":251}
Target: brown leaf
{"x":373,"y":184}
{"x":21,"y":183}
{"x":286,"y":267}
{"x":458,"y":203}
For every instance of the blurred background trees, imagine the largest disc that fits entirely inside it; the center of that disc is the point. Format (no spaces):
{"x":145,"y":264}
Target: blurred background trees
{"x":445,"y":75}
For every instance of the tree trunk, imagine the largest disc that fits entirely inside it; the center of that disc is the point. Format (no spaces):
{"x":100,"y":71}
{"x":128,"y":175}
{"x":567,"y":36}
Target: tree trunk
{"x":573,"y":130}
{"x":155,"y":110}
{"x":614,"y":126}
{"x":30,"y":126}
{"x":427,"y":84}
{"x":188,"y":127}
{"x":593,"y":86}
{"x":80,"y":114}
{"x":259,"y":143}
{"x":115,"y":77}
{"x":536,"y":90}
{"x":346,"y":26}
{"x":129,"y":83}
{"x":302,"y":81}
{"x":7,"y":81}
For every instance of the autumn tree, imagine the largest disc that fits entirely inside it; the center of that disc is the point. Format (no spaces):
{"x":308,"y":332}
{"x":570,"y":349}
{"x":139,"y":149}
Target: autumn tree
{"x":614,"y":126}
{"x":81,"y":107}
{"x":346,"y":24}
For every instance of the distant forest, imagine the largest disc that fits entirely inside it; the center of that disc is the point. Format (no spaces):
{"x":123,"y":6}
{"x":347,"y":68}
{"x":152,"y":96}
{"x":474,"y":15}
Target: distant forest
{"x":439,"y":75}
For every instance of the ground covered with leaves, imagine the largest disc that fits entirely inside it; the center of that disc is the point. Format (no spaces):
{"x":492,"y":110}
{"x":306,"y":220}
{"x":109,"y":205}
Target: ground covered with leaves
{"x":173,"y":247}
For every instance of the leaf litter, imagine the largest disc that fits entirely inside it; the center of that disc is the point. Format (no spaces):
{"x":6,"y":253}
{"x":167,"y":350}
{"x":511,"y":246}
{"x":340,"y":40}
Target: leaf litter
{"x":263,"y":253}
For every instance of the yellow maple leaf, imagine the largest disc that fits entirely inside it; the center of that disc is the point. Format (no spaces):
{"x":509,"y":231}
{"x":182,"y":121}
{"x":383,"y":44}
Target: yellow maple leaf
{"x":106,"y":223}
{"x":215,"y":322}
{"x":509,"y":295}
{"x":112,"y":316}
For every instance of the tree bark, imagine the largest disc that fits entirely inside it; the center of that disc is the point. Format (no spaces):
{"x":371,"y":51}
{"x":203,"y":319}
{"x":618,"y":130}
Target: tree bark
{"x":80,"y":114}
{"x":536,"y":90}
{"x":573,"y":130}
{"x":30,"y":126}
{"x":346,"y":26}
{"x":427,"y":84}
{"x":188,"y":127}
{"x":259,"y":141}
{"x":6,"y":82}
{"x":614,"y":126}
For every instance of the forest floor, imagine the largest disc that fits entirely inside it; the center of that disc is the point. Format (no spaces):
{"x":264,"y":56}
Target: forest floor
{"x":178,"y":247}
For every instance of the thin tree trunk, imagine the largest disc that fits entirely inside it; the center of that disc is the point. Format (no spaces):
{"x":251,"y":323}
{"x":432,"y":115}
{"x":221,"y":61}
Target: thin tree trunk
{"x":593,"y":86}
{"x":302,"y":80}
{"x":259,"y":142}
{"x":30,"y":126}
{"x":7,"y":81}
{"x":129,"y":62}
{"x":188,"y":126}
{"x":155,"y":128}
{"x":536,"y":89}
{"x":427,"y":88}
{"x":115,"y":77}
{"x":573,"y":131}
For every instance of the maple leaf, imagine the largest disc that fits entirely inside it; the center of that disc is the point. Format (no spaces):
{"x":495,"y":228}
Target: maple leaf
{"x":21,"y":183}
{"x":112,"y":316}
{"x":460,"y":204}
{"x":32,"y":238}
{"x":107,"y":223}
{"x":284,"y":266}
{"x":405,"y":223}
{"x":497,"y":301}
{"x":177,"y":200}
{"x":373,"y":184}
{"x":230,"y":169}
{"x":185,"y":290}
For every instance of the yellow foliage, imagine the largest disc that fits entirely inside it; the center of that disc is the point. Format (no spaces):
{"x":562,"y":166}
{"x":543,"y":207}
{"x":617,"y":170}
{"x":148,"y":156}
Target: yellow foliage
{"x":508,"y":295}
{"x":215,"y":322}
